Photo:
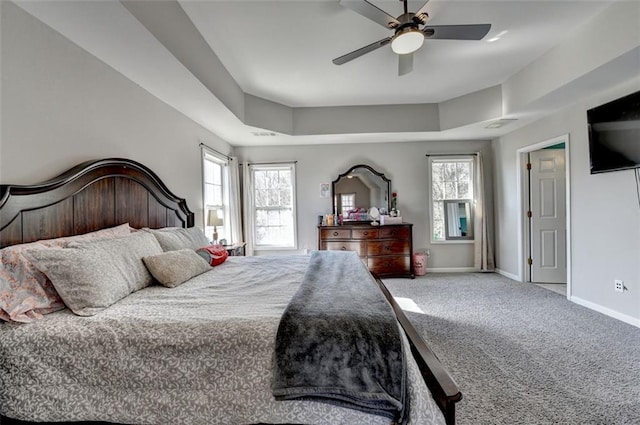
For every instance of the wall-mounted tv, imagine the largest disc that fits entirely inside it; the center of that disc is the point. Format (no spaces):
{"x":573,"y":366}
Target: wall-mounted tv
{"x":614,"y":134}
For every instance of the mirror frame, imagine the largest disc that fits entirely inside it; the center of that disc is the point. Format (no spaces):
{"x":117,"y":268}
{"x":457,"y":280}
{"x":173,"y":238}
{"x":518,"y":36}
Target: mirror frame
{"x":349,"y":171}
{"x":470,"y":229}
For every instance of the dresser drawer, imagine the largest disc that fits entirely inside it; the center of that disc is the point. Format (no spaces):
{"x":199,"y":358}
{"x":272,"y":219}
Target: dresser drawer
{"x":364,"y":233}
{"x":395,"y":232}
{"x":335,"y":234}
{"x":358,"y":247}
{"x":390,"y":265}
{"x":388,"y":247}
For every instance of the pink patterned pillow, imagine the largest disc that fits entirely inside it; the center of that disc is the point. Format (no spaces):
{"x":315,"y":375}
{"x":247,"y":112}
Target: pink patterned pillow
{"x":25,"y":292}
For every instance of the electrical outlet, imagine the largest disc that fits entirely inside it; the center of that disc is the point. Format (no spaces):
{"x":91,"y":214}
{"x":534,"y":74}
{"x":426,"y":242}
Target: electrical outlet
{"x":619,"y":285}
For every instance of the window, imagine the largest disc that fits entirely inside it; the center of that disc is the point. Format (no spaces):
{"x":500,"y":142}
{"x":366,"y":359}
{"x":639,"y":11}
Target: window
{"x":215,"y":192}
{"x":347,"y":202}
{"x":274,"y":223}
{"x":451,"y":180}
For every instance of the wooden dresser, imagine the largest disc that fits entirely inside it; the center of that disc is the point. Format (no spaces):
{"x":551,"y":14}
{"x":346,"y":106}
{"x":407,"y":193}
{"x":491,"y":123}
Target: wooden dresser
{"x":387,"y":250}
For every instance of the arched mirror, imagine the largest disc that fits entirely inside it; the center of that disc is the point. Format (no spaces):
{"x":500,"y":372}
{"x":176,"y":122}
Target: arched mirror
{"x":357,"y":190}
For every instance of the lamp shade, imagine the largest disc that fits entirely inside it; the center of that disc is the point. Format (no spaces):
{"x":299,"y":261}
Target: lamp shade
{"x":407,"y":41}
{"x":213,"y":219}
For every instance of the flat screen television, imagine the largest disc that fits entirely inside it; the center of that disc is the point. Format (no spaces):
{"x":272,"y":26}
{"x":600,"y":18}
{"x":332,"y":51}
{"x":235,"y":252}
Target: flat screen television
{"x":614,"y":135}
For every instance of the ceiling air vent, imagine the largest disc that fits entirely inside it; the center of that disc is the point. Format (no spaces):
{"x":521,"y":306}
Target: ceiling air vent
{"x":500,"y":123}
{"x":263,"y":133}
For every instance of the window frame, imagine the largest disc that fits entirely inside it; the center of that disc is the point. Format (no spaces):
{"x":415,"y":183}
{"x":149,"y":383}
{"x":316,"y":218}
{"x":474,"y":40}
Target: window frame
{"x":351,"y":204}
{"x":470,"y":159}
{"x":222,"y":161}
{"x":279,"y":166}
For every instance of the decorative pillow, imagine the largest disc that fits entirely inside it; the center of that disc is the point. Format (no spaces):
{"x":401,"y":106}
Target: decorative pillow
{"x":25,"y":292}
{"x":213,"y":254}
{"x":175,"y":238}
{"x":173,"y":268}
{"x":90,"y":277}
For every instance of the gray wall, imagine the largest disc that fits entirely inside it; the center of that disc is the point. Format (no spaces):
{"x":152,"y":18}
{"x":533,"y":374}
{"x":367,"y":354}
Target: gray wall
{"x":404,"y":163}
{"x":62,"y":106}
{"x":605,"y":214}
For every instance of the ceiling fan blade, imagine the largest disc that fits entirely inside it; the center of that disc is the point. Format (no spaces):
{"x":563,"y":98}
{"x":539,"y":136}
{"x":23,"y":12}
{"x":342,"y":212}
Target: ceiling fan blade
{"x":361,"y":51}
{"x":405,"y":64}
{"x":423,"y":9}
{"x":421,"y":16}
{"x":457,"y":32}
{"x":369,"y":10}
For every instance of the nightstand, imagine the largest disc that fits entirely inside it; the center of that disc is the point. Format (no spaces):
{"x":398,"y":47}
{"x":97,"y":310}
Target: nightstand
{"x":236,"y":249}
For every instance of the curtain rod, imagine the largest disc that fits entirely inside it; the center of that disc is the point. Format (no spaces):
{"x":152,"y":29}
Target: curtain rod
{"x":452,"y":154}
{"x":270,"y":163}
{"x":216,"y":151}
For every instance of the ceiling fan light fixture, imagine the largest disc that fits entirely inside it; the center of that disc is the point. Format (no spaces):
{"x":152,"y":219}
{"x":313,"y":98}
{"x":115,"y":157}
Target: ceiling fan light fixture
{"x":407,"y":40}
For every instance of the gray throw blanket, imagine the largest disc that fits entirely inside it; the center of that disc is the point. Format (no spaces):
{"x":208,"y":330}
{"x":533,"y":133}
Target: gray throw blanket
{"x":338,"y":340}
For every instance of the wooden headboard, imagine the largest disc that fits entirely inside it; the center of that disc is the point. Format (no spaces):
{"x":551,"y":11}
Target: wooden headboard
{"x":90,"y":196}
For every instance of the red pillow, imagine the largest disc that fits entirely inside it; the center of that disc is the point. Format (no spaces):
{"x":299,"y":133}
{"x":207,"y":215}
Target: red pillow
{"x":214,"y":254}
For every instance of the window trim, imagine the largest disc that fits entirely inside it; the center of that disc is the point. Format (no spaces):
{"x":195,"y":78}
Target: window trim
{"x":352,"y":195}
{"x":223,"y":161}
{"x":450,"y":158}
{"x":291,"y":166}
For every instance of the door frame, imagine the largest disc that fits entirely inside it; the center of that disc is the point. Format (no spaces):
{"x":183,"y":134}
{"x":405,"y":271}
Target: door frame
{"x":524,"y":274}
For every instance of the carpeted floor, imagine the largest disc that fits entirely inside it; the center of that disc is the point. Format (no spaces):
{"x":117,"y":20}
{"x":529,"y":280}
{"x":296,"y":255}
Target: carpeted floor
{"x":525,"y":355}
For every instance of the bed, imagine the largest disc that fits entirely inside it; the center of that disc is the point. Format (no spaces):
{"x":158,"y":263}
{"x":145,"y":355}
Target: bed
{"x":199,"y":352}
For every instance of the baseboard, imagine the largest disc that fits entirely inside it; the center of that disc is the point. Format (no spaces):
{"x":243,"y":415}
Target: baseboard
{"x":509,"y":275}
{"x":607,"y":311}
{"x":451,"y":269}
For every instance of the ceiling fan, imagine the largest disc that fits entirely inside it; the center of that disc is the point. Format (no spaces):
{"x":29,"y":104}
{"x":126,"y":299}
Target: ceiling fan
{"x":410,"y":30}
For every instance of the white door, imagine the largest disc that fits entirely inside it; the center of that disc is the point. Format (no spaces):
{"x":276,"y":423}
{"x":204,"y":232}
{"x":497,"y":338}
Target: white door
{"x":548,"y":216}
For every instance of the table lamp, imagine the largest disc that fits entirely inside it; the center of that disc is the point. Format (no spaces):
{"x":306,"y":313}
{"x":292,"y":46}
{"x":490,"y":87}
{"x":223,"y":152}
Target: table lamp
{"x":214,"y":220}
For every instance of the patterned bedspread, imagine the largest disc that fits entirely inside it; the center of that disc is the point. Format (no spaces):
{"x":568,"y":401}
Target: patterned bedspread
{"x":200,"y":353}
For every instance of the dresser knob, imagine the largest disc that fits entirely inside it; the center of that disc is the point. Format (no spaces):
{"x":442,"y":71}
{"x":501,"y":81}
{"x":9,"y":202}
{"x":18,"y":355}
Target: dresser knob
{"x":365,"y":233}
{"x":344,"y":248}
{"x":335,"y":233}
{"x":388,"y":248}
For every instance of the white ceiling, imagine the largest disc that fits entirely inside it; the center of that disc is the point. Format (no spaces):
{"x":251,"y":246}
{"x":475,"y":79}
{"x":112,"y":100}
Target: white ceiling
{"x":281,"y":51}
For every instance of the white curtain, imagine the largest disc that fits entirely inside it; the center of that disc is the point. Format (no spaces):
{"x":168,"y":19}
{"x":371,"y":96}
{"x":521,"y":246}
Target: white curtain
{"x":235,"y":201}
{"x":247,"y":186}
{"x":483,"y":258}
